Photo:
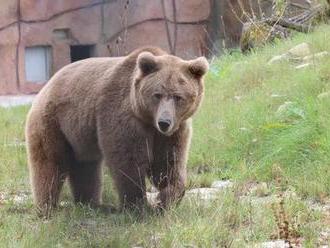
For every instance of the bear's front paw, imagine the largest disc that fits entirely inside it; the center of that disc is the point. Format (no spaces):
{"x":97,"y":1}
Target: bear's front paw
{"x":170,"y":195}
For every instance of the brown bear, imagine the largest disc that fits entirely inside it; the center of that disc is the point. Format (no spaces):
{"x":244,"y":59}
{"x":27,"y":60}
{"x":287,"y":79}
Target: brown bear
{"x":131,"y":114}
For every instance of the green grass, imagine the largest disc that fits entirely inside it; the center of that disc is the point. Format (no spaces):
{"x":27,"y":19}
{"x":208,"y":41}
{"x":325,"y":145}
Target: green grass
{"x":238,"y":135}
{"x":245,"y":138}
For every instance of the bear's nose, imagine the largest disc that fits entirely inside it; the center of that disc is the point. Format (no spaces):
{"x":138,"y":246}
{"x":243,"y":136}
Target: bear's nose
{"x":164,"y":125}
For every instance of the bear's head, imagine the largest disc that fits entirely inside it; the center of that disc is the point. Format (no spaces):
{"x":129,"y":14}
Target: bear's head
{"x":167,"y":90}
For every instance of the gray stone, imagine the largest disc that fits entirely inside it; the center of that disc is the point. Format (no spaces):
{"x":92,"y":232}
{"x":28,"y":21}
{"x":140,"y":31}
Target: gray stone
{"x":153,"y":189}
{"x":278,"y":58}
{"x":152,"y":198}
{"x":222,"y":184}
{"x":277,"y":96}
{"x":290,"y":109}
{"x":290,"y":193}
{"x":325,"y":208}
{"x":259,"y":189}
{"x":274,"y":244}
{"x":204,"y":193}
{"x":283,"y":108}
{"x":299,"y":53}
{"x":2,"y":197}
{"x":300,"y":50}
{"x":324,"y":239}
{"x":302,"y":66}
{"x":315,"y":56}
{"x":258,"y":201}
{"x":197,"y":193}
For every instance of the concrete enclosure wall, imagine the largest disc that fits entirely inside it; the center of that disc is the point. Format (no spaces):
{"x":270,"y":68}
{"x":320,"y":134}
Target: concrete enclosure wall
{"x":76,"y":28}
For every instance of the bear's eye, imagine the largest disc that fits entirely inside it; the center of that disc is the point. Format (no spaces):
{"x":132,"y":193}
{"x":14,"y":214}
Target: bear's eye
{"x":178,"y":98}
{"x":158,"y":96}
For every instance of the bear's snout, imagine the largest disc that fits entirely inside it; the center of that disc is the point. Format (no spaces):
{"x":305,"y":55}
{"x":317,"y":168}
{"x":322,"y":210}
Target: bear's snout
{"x":165,"y":117}
{"x":164,"y":125}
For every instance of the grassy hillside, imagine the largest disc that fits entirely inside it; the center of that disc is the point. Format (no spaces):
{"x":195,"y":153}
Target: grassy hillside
{"x":238,"y":135}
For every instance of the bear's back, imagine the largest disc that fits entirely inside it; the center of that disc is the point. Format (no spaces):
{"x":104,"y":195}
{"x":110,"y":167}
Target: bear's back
{"x":78,"y":80}
{"x":70,"y":98}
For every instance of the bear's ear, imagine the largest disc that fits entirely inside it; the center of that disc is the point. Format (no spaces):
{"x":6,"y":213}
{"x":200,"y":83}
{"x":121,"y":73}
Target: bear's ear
{"x":147,"y":63}
{"x":198,"y":67}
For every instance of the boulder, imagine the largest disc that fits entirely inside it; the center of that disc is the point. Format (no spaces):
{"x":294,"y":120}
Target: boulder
{"x":259,"y":201}
{"x":302,"y":66}
{"x":205,"y":194}
{"x":274,"y":244}
{"x":313,"y":57}
{"x":222,"y":184}
{"x":259,"y":189}
{"x":152,"y":198}
{"x":290,"y":110}
{"x":278,"y":58}
{"x":300,"y":50}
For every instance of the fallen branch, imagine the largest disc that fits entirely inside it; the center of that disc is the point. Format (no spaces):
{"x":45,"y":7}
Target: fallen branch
{"x":255,"y":34}
{"x":288,"y":24}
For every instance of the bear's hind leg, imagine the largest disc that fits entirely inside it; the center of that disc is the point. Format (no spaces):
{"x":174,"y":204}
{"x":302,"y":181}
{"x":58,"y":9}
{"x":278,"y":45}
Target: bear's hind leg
{"x":47,"y":155}
{"x":86,"y":182}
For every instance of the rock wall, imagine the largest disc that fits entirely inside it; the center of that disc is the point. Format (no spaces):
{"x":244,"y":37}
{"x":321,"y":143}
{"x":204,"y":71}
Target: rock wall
{"x":114,"y":28}
{"x":8,"y":48}
{"x":177,"y":26}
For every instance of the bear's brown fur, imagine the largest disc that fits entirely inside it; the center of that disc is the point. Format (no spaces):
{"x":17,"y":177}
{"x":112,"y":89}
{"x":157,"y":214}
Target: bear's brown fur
{"x":131,"y":114}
